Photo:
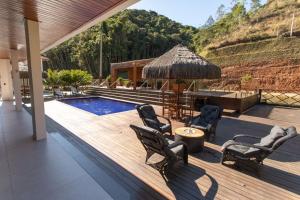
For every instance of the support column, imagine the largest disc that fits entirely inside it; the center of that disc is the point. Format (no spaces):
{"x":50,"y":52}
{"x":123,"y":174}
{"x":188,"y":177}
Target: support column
{"x":114,"y":74}
{"x":6,"y":80}
{"x":134,"y":76}
{"x":16,"y":79}
{"x":35,"y":79}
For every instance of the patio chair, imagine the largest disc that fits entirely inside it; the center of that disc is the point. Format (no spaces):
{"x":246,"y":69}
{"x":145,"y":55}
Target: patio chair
{"x":74,"y":91}
{"x":150,"y":119}
{"x":57,"y":93}
{"x":254,"y":154}
{"x":207,"y":121}
{"x":154,"y":142}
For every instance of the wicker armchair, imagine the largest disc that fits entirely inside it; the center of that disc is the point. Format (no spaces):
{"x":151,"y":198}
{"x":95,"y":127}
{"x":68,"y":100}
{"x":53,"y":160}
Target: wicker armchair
{"x":207,"y":121}
{"x":254,"y":154}
{"x":154,"y":142}
{"x":150,"y":119}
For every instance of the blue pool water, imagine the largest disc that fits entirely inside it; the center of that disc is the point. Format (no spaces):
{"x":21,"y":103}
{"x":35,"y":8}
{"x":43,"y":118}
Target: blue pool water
{"x":100,"y":106}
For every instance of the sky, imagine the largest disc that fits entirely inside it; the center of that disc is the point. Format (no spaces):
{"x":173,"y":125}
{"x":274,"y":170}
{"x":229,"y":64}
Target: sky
{"x":187,"y":12}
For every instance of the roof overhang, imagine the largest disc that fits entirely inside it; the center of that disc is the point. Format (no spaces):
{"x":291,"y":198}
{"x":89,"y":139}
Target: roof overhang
{"x":59,"y":20}
{"x":131,"y":64}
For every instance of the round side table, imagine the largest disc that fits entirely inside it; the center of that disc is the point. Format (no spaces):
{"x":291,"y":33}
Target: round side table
{"x":193,"y":138}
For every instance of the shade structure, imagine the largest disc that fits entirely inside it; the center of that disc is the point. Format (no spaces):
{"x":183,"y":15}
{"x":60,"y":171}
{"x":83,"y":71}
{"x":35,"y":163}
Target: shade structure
{"x":181,"y":63}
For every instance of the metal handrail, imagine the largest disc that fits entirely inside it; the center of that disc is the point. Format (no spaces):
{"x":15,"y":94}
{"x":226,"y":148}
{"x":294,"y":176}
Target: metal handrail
{"x":114,"y":83}
{"x":164,"y":85}
{"x":192,"y":84}
{"x":104,"y":82}
{"x":161,"y":92}
{"x":146,"y":81}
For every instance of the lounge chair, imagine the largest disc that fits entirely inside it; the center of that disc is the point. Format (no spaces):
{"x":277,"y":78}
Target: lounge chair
{"x":150,"y":119}
{"x":57,"y":93}
{"x":207,"y":121}
{"x":154,"y":142}
{"x":74,"y":91}
{"x":254,"y":154}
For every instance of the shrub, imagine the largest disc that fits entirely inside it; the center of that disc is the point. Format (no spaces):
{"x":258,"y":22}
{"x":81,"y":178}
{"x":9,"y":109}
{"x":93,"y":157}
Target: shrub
{"x":246,"y":78}
{"x":120,"y":81}
{"x":72,"y":77}
{"x":53,"y":79}
{"x":65,"y":77}
{"x":80,"y":78}
{"x":108,"y":79}
{"x":127,"y":83}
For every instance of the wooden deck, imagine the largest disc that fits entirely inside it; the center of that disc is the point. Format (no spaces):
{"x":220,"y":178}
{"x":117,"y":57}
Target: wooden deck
{"x":204,"y":177}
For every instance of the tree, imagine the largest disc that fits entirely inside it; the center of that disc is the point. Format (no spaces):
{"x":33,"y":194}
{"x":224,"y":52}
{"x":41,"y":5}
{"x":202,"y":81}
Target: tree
{"x":128,"y":35}
{"x":220,"y":12}
{"x":234,"y":2}
{"x":238,"y":2}
{"x":255,"y":4}
{"x":239,"y":11}
{"x":209,"y":22}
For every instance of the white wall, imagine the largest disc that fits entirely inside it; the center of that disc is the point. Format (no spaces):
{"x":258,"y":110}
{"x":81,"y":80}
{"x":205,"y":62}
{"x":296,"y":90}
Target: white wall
{"x":6,"y":80}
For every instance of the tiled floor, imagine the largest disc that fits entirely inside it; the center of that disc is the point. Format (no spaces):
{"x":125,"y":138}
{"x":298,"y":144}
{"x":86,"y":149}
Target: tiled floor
{"x":32,"y":170}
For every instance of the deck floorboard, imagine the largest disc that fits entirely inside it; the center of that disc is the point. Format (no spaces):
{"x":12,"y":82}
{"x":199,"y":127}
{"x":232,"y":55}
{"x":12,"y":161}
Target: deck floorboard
{"x":204,"y":177}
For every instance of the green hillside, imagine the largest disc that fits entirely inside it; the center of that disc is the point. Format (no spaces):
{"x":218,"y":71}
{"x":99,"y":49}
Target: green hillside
{"x":247,"y":40}
{"x":272,"y":20}
{"x":257,"y":52}
{"x":129,"y":35}
{"x":256,"y":44}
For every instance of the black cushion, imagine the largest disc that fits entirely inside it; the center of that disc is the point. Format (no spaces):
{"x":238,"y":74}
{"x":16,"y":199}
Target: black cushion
{"x":240,"y":149}
{"x":199,"y":121}
{"x":148,"y":112}
{"x":165,"y":127}
{"x":199,"y":126}
{"x":178,"y":150}
{"x":150,"y":119}
{"x":210,"y":113}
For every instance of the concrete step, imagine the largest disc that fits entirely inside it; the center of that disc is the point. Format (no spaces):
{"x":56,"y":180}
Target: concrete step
{"x":132,"y":96}
{"x":152,"y":93}
{"x":131,"y":99}
{"x":149,"y":96}
{"x":142,"y":92}
{"x":141,"y":95}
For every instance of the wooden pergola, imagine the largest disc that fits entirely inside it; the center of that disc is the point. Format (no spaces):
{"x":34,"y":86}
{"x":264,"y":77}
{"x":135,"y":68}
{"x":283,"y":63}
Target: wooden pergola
{"x":134,"y":69}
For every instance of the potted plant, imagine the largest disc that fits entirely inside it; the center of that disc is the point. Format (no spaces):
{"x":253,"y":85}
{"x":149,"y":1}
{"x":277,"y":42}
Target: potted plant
{"x":179,"y":86}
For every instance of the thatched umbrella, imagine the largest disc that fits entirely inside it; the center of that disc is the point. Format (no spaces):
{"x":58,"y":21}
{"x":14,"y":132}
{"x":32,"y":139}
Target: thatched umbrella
{"x":180,"y":63}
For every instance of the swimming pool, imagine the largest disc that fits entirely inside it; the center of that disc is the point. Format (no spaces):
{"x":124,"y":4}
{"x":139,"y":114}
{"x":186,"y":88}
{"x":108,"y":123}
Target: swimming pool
{"x":100,"y":106}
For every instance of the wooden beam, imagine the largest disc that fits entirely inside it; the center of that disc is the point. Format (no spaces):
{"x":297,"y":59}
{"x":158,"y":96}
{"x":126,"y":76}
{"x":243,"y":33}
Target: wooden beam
{"x":114,"y":74}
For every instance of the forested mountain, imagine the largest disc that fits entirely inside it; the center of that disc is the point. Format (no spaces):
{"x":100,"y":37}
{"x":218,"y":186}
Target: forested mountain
{"x":242,"y":41}
{"x":129,"y":35}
